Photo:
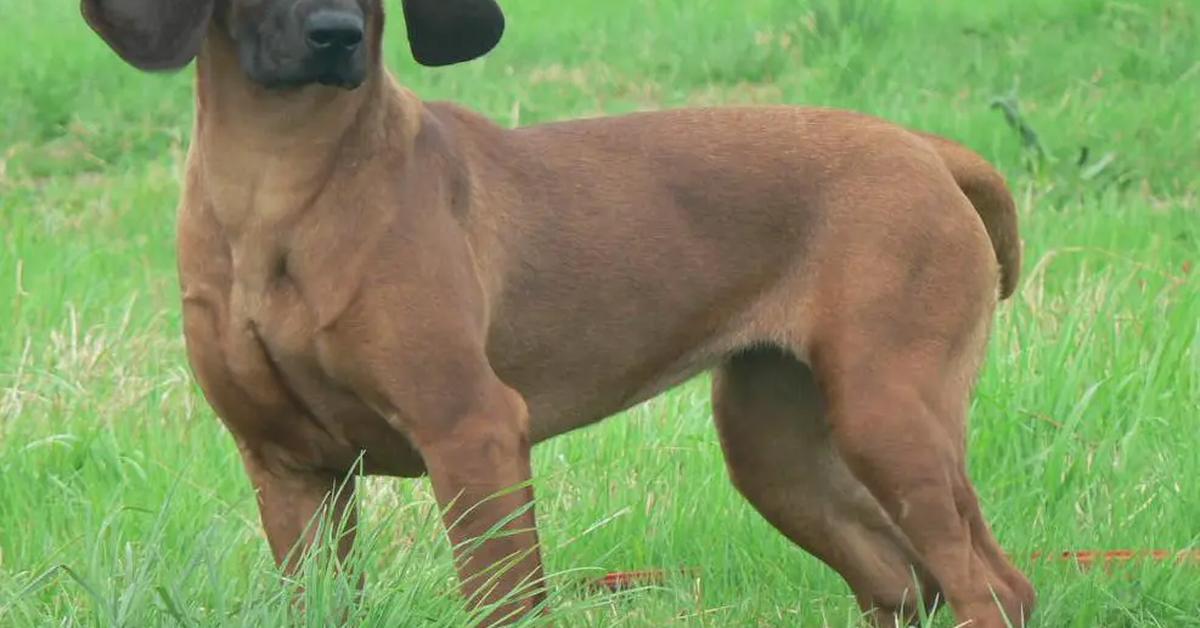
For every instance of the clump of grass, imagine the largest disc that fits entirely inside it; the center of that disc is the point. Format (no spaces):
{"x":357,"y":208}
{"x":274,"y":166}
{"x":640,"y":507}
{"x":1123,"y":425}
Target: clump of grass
{"x":864,"y":20}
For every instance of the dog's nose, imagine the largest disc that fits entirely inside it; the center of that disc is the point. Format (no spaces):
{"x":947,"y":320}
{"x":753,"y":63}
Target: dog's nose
{"x":334,"y":30}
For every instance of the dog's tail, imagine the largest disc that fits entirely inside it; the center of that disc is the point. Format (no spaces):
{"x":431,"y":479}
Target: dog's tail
{"x":985,"y":188}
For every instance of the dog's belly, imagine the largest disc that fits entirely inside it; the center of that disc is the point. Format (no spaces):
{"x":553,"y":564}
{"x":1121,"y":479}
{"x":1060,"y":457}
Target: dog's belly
{"x":571,"y":398}
{"x":571,"y":403}
{"x":594,"y":366}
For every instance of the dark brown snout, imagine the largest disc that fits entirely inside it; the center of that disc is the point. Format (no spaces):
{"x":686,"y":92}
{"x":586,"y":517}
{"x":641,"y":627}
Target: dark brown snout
{"x":334,"y":38}
{"x":334,"y":32}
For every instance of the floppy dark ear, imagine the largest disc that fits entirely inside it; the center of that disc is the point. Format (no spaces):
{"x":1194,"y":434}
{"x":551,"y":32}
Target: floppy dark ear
{"x":150,"y":34}
{"x":443,"y":32}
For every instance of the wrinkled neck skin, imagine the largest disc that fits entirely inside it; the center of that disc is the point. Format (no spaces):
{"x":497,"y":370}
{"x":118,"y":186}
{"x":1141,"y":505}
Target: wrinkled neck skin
{"x":265,"y":154}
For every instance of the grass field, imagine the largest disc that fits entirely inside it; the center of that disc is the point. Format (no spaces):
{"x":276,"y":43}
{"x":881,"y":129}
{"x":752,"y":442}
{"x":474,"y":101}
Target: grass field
{"x":123,"y":503}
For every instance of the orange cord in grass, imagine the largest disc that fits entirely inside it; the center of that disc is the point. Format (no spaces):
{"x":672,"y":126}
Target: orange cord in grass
{"x":1084,"y":559}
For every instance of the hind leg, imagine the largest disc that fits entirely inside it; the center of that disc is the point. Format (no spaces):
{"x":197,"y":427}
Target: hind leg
{"x":896,"y":443}
{"x":898,"y":384}
{"x":771,"y":420}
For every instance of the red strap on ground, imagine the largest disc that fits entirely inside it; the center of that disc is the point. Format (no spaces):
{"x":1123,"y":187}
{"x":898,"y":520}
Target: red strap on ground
{"x":1084,"y":559}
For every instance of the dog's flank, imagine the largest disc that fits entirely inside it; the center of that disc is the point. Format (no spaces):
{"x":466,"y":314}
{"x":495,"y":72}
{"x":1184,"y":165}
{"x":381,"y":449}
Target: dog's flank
{"x":369,"y":275}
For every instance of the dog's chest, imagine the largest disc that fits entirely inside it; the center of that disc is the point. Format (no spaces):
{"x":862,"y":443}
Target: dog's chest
{"x":255,"y":339}
{"x":275,"y":289}
{"x":282,"y":325}
{"x":284,"y":340}
{"x":264,"y":299}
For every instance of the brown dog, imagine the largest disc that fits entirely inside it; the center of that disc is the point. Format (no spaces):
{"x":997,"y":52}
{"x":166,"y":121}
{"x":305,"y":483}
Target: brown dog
{"x":365,"y":273}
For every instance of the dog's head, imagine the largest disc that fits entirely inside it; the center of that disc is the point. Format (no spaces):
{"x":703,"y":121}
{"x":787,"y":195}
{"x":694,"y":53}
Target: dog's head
{"x":289,"y":43}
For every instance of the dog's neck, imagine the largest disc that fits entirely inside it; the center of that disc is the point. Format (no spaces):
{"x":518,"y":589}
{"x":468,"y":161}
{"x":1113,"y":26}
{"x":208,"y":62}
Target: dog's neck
{"x":265,"y":154}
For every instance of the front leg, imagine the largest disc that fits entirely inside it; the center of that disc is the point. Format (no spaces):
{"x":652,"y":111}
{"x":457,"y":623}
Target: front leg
{"x":294,"y":506}
{"x":413,"y":346}
{"x":437,"y":388}
{"x":478,"y":462}
{"x":276,"y":440}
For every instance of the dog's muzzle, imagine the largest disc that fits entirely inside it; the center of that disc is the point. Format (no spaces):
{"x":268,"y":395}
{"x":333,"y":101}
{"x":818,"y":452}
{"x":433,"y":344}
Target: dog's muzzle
{"x":335,"y":42}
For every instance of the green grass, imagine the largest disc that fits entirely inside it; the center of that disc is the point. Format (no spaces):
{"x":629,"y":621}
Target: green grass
{"x":122,"y":502}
